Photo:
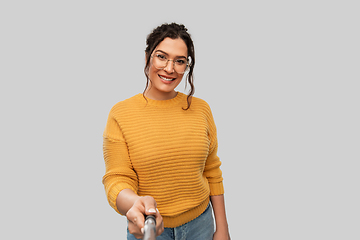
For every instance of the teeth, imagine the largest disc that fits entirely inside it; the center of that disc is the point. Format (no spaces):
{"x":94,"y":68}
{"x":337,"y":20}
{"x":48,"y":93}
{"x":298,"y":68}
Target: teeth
{"x":166,"y":79}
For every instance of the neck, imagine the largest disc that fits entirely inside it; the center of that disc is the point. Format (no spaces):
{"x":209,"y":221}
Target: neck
{"x":160,"y":95}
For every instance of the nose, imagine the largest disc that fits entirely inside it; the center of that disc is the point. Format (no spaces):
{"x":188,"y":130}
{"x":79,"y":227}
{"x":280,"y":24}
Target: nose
{"x":169,"y":66}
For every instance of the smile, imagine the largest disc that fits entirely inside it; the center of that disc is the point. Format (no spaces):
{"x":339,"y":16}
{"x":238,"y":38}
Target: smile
{"x":167,"y":79}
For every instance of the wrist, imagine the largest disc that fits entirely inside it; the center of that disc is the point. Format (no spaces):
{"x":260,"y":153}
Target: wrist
{"x":222,"y":228}
{"x":222,"y":234}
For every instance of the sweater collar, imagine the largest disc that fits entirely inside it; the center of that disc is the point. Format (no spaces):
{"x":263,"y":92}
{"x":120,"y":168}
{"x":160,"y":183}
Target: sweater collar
{"x":164,"y":103}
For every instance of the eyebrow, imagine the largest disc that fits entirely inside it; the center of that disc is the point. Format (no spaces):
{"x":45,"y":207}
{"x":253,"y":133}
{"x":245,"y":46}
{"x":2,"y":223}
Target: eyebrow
{"x":168,"y":54}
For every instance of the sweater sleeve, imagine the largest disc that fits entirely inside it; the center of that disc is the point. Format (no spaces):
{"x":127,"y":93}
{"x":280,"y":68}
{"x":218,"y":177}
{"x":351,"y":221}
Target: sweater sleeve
{"x":119,"y":173}
{"x":212,"y":169}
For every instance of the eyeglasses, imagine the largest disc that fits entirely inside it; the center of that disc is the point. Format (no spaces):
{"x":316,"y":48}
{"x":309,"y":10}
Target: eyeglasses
{"x":160,"y":61}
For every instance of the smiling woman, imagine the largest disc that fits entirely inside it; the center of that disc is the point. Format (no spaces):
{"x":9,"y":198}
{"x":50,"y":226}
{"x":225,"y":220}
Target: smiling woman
{"x":165,"y":40}
{"x":160,"y":149}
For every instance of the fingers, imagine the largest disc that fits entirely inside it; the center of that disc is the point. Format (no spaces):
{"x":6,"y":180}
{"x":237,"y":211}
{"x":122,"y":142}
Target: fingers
{"x":159,"y":223}
{"x":136,"y":219}
{"x":136,"y":222}
{"x":134,"y":230}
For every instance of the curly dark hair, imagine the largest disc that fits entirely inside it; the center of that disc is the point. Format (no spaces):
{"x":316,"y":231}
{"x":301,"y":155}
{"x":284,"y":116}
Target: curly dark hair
{"x":173,"y":31}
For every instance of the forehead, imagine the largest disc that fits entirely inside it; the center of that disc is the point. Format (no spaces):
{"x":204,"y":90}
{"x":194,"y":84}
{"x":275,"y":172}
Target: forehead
{"x":173,"y":47}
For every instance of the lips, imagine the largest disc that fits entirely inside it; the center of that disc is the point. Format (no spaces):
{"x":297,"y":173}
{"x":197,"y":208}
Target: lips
{"x":166,"y":78}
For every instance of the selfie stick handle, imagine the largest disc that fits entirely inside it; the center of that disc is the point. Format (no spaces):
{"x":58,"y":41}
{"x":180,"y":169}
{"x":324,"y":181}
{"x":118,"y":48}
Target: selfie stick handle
{"x":150,"y":228}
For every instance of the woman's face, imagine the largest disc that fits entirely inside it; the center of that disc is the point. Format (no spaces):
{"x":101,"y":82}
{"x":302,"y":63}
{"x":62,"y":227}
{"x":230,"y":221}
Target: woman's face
{"x":164,"y":81}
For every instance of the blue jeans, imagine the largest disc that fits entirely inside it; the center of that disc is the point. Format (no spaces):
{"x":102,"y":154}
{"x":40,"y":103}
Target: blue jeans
{"x":201,"y":228}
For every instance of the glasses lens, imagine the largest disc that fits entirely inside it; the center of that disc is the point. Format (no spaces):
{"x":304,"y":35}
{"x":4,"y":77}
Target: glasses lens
{"x":180,"y":65}
{"x":160,"y":62}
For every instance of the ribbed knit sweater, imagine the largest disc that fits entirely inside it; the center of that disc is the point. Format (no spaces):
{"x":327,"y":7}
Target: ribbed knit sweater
{"x":156,"y":148}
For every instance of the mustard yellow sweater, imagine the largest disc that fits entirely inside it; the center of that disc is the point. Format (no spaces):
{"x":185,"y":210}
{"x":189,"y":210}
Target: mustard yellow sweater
{"x":156,"y":148}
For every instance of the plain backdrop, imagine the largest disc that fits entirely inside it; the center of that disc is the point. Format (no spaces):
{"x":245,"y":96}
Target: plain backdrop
{"x":281,"y":77}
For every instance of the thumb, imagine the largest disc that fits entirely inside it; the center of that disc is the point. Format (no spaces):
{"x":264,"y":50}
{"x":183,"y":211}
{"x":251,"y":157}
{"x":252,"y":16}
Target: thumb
{"x":150,"y":206}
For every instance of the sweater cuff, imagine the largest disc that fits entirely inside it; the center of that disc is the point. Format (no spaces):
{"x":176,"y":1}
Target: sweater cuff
{"x":216,"y":189}
{"x":114,"y":192}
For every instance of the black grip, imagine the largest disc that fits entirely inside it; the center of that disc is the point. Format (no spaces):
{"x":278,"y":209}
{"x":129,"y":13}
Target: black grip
{"x":150,"y":216}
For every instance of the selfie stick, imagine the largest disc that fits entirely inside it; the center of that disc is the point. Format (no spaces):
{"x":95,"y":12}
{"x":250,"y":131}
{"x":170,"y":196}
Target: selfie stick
{"x":150,"y":228}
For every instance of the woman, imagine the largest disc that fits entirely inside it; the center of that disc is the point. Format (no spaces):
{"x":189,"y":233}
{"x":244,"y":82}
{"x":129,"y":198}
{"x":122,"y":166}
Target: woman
{"x":160,"y":149}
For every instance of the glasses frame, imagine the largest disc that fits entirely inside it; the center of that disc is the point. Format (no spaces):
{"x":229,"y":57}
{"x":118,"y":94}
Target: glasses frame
{"x":167,"y":61}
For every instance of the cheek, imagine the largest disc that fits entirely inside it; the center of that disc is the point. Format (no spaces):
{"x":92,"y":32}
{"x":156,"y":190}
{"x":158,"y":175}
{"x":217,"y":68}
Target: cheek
{"x":180,"y":76}
{"x":153,"y":71}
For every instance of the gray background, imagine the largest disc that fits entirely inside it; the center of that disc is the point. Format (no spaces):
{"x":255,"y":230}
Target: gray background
{"x":281,"y":77}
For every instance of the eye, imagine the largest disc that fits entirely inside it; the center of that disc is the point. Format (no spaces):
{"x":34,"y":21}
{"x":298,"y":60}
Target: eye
{"x":180,"y":62}
{"x":161,"y":57}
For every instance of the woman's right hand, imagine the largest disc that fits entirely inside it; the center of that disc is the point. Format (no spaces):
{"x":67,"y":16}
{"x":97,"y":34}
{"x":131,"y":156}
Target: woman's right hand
{"x":136,"y":216}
